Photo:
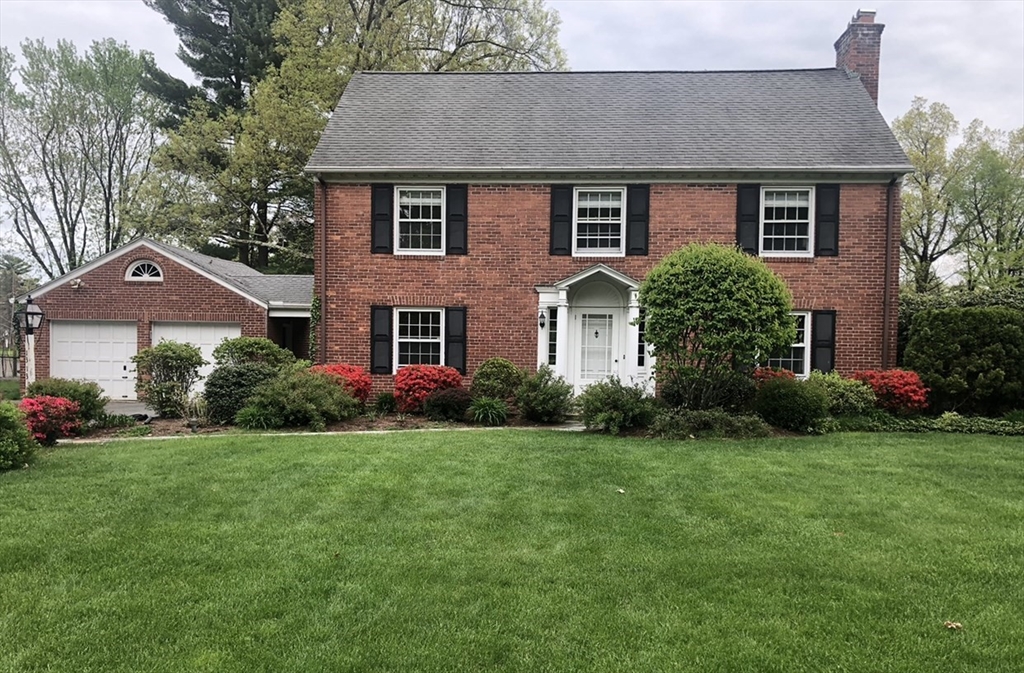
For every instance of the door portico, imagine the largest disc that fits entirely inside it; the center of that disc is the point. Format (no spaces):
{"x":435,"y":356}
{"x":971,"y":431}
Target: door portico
{"x":586,"y":330}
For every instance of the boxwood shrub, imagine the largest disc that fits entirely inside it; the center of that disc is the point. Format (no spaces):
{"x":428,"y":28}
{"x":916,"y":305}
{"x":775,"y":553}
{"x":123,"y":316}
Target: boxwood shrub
{"x":229,"y":387}
{"x":790,"y":404}
{"x":16,"y":444}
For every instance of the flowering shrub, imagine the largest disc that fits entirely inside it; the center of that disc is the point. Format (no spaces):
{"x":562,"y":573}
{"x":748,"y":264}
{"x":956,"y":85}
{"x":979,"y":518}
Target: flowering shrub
{"x":415,"y":382}
{"x":50,"y":418}
{"x":355,"y":379}
{"x":765,"y":374}
{"x":897,"y":390}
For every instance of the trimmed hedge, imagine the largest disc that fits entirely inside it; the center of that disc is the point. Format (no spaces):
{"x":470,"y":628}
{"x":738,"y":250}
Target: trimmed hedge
{"x":790,"y":404}
{"x":949,"y":422}
{"x":846,"y":397}
{"x":912,"y":303}
{"x":298,"y":398}
{"x":249,"y":350}
{"x":706,"y":424}
{"x":229,"y":387}
{"x":496,"y":377}
{"x":971,"y":358}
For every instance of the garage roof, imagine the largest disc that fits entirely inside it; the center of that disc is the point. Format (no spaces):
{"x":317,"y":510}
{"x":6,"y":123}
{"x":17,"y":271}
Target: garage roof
{"x":267,"y":290}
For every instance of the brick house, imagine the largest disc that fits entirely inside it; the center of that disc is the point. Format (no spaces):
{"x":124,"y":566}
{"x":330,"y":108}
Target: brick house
{"x":101,"y":314}
{"x":461,"y":216}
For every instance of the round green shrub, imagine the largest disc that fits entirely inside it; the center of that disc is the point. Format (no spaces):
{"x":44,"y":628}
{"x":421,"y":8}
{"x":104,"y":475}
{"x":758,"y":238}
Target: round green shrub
{"x":846,"y":397}
{"x":295,"y":399}
{"x":447,"y":404}
{"x":496,"y":377}
{"x":229,"y":387}
{"x":166,"y":374}
{"x":249,"y":350}
{"x":708,"y":307}
{"x":791,"y":404}
{"x":610,"y":406}
{"x":16,"y":444}
{"x":489,"y":411}
{"x":545,"y":397}
{"x":88,"y":394}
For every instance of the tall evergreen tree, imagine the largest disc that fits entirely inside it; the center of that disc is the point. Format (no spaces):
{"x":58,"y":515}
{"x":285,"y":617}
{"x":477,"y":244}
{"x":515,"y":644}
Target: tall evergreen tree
{"x":228,"y":44}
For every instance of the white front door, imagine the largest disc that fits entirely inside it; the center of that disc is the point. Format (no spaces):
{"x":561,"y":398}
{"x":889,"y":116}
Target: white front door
{"x":205,"y":335}
{"x":95,"y":350}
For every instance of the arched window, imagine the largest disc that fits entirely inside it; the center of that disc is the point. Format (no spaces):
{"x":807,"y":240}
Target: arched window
{"x":145,"y":271}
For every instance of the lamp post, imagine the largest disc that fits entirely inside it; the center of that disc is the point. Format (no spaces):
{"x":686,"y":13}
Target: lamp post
{"x":31,"y":317}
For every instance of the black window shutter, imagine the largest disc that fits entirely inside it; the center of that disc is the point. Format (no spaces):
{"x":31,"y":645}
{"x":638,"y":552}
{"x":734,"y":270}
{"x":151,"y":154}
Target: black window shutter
{"x":823,"y":341}
{"x":456,"y":208}
{"x":380,"y":339}
{"x":826,"y":221}
{"x":382,"y":210}
{"x":748,"y":218}
{"x":561,"y":220}
{"x":637,"y":218}
{"x":455,"y":338}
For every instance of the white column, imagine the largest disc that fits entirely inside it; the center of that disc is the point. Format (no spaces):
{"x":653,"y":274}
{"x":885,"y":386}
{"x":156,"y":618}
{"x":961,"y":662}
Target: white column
{"x":630,"y":373}
{"x":562,"y":336}
{"x":30,"y":359}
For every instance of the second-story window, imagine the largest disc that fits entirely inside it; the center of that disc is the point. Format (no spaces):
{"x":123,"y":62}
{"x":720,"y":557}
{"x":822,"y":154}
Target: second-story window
{"x":599,"y":222}
{"x":786,"y":216}
{"x":419,"y":220}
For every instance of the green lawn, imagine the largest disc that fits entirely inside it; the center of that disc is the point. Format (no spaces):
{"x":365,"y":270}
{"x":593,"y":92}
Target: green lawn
{"x":514,"y":551}
{"x":9,"y":389}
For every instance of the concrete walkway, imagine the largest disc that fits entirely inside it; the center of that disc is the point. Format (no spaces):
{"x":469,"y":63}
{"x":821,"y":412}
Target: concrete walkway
{"x":128,"y":407}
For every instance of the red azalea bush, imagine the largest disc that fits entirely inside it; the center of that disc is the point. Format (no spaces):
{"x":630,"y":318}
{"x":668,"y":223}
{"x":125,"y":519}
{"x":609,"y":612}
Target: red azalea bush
{"x":764,"y":374}
{"x":897,"y":390}
{"x":355,"y":379}
{"x":415,"y":382}
{"x":50,"y":418}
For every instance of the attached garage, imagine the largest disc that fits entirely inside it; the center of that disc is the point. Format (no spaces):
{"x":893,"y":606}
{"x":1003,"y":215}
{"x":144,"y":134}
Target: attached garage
{"x":95,"y":350}
{"x":205,"y":335}
{"x":101,"y":314}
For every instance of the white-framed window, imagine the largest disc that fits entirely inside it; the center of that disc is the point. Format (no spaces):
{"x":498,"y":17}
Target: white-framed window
{"x":599,"y":222}
{"x":144,"y":271}
{"x":787,"y":222}
{"x":419,"y":336}
{"x":419,"y":221}
{"x":798,"y":360}
{"x":552,"y":336}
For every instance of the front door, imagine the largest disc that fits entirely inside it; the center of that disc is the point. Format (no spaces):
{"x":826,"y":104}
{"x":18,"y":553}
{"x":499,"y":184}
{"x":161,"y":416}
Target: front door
{"x":597,"y":346}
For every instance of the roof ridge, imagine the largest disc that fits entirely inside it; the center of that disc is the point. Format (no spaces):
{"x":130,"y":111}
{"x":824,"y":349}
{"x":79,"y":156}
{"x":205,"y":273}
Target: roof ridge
{"x":591,"y":72}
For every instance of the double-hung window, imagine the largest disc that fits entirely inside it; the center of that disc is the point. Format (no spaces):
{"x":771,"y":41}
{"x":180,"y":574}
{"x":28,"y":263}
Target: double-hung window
{"x":599,"y":223}
{"x":798,"y":359}
{"x":419,"y":337}
{"x":419,"y":220}
{"x":787,"y":217}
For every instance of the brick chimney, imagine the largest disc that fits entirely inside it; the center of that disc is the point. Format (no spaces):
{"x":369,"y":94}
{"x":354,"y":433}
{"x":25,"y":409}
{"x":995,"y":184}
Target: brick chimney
{"x":859,"y":48}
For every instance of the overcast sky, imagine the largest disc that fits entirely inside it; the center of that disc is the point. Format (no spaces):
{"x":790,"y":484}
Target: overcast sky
{"x":967,"y":54}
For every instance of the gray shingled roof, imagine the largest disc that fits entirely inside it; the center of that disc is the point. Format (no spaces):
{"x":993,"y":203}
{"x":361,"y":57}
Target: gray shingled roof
{"x":272,"y":289}
{"x":685,"y":121}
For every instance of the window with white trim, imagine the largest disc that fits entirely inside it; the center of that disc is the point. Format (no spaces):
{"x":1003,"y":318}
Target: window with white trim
{"x":798,"y":359}
{"x":419,"y":336}
{"x":599,"y":221}
{"x":641,"y":341}
{"x":552,"y":336}
{"x":419,"y":220}
{"x":787,"y":214}
{"x":144,"y":271}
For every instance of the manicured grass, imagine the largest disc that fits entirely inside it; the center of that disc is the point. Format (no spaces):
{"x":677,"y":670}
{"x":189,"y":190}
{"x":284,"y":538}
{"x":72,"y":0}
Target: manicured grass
{"x":9,"y":389}
{"x":514,"y":551}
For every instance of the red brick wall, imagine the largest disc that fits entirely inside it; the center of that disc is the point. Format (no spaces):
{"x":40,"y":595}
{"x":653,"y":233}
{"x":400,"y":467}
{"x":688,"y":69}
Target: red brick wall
{"x":184,"y":295}
{"x":508,"y":257}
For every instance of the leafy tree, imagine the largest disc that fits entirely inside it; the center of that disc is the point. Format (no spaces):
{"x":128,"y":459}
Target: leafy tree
{"x":234,"y":173}
{"x":990,"y":197}
{"x":711,"y":309}
{"x":76,"y":141}
{"x":929,"y":219}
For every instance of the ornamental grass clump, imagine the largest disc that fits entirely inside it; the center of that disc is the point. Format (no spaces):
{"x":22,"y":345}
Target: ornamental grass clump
{"x":489,"y":411}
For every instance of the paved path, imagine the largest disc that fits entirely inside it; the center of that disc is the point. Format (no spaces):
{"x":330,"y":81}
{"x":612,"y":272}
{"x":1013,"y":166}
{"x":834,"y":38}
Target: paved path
{"x":127,"y":407}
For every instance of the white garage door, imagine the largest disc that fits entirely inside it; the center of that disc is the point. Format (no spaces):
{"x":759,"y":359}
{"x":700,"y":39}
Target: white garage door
{"x":99,"y":351}
{"x":206,"y":335}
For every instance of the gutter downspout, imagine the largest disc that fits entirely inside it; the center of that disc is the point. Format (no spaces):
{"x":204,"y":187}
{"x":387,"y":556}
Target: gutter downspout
{"x":886,"y":294}
{"x":322,"y":354}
